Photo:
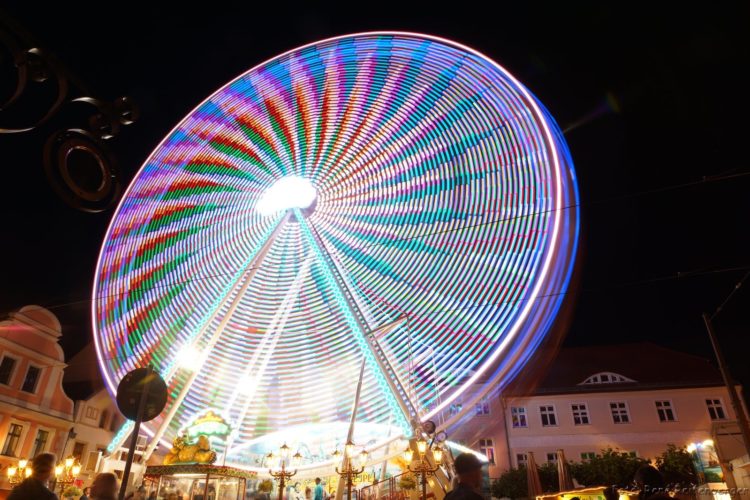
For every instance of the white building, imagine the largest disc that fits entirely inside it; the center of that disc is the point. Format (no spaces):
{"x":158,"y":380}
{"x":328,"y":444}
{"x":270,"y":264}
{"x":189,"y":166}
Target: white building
{"x":637,"y":398}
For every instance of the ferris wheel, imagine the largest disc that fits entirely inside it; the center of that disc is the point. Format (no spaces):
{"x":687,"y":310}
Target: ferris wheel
{"x":388,"y":200}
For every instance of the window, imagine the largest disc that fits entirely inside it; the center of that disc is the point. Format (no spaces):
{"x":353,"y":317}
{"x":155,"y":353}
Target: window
{"x":78,"y":450}
{"x":620,"y":413}
{"x":552,"y":458}
{"x":518,"y":416}
{"x":31,"y":380}
{"x":93,"y":460}
{"x":103,"y":420}
{"x":487,"y":446}
{"x":483,"y":407}
{"x":40,"y":443}
{"x":92,"y":412}
{"x":522,"y":459}
{"x":6,"y":369}
{"x":588,"y":455}
{"x":665,"y":411}
{"x":12,"y":439}
{"x":716,"y":409}
{"x":606,"y":378}
{"x":549,"y":418}
{"x":580,"y":414}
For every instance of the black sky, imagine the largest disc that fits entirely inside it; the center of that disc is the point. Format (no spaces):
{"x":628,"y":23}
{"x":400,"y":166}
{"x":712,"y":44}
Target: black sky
{"x":656,"y":98}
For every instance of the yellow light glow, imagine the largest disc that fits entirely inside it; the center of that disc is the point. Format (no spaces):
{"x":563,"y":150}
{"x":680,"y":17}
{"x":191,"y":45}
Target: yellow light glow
{"x":285,"y":451}
{"x":22,"y":463}
{"x":58,"y":470}
{"x":76,"y":469}
{"x":12,"y":471}
{"x":708,"y":442}
{"x":408,"y":455}
{"x":69,"y":462}
{"x":691,"y":447}
{"x":28,"y":471}
{"x":421,"y":446}
{"x":349,"y":449}
{"x":363,"y":457}
{"x":437,"y":454}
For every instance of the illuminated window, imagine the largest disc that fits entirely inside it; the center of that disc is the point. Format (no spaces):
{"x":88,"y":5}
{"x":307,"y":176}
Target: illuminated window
{"x":588,"y":455}
{"x":78,"y":450}
{"x":483,"y":407}
{"x":716,"y":409}
{"x":549,"y":417}
{"x":40,"y":443}
{"x":487,"y":446}
{"x":620,"y":413}
{"x":665,"y":411}
{"x":522,"y":459}
{"x":6,"y":369}
{"x":518,"y":417}
{"x":580,"y":414}
{"x":31,"y":379}
{"x":606,"y":378}
{"x":12,"y":439}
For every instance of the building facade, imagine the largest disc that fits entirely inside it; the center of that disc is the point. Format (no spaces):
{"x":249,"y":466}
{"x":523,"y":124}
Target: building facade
{"x":36,"y":415}
{"x":635,"y":398}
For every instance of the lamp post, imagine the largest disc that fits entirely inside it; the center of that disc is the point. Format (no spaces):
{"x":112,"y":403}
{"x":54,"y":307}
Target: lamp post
{"x":67,"y":471}
{"x":281,"y":473}
{"x":348,"y":471}
{"x":19,"y":472}
{"x":423,"y":468}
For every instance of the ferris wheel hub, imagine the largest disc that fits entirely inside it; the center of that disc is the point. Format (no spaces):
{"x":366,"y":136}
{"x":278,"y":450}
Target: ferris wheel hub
{"x":288,"y":193}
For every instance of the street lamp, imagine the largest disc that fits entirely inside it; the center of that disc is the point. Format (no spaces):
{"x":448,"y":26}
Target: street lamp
{"x":281,"y":473}
{"x":422,"y":468}
{"x":67,"y":471}
{"x":348,"y":471}
{"x":19,"y":472}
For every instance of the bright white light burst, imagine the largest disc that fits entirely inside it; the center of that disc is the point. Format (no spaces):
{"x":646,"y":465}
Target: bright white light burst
{"x":286,"y":193}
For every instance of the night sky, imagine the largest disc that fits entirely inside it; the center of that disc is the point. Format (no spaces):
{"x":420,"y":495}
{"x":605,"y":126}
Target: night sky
{"x":653,"y":101}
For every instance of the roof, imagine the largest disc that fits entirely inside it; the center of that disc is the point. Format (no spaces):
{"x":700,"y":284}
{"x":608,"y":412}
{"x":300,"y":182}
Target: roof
{"x":648,"y":365}
{"x":82,"y":377}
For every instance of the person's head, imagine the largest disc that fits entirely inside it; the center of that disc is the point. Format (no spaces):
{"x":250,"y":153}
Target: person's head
{"x":469,"y":469}
{"x":42,"y":466}
{"x":317,"y":480}
{"x":649,"y":480}
{"x":104,"y":486}
{"x":87,"y":490}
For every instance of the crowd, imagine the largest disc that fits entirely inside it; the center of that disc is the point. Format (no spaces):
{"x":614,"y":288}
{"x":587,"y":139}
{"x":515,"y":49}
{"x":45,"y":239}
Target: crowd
{"x":467,"y":485}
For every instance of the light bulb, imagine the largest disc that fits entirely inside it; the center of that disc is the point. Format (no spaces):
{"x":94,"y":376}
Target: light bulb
{"x":76,"y":469}
{"x":421,"y":446}
{"x":28,"y":471}
{"x":12,"y":471}
{"x":285,"y":451}
{"x":349,"y":449}
{"x":408,"y":455}
{"x":296,"y":459}
{"x":437,"y":454}
{"x":363,"y":458}
{"x":69,"y":462}
{"x":58,"y":470}
{"x":22,"y":463}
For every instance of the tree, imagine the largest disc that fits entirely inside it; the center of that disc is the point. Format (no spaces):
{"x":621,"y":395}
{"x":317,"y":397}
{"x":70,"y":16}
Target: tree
{"x":548,"y":477}
{"x":407,"y":482}
{"x":676,"y":465}
{"x":611,"y":467}
{"x":265,"y":486}
{"x":511,"y":484}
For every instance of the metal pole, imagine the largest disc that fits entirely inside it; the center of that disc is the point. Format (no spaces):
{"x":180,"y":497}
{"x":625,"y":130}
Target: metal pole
{"x":136,"y":429}
{"x":424,"y":485}
{"x":349,"y":487}
{"x":739,"y":410}
{"x":281,"y":485}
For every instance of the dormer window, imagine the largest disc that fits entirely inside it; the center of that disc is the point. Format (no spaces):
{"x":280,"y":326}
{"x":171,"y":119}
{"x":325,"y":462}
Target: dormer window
{"x":606,"y":378}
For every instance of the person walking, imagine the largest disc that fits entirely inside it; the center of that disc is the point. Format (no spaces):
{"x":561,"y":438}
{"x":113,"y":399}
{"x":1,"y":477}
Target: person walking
{"x":318,"y":493}
{"x":35,"y":486}
{"x":469,"y":472}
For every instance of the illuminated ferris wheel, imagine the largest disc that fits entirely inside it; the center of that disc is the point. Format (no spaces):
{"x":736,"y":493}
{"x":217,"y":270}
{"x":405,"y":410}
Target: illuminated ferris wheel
{"x":387,"y":199}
